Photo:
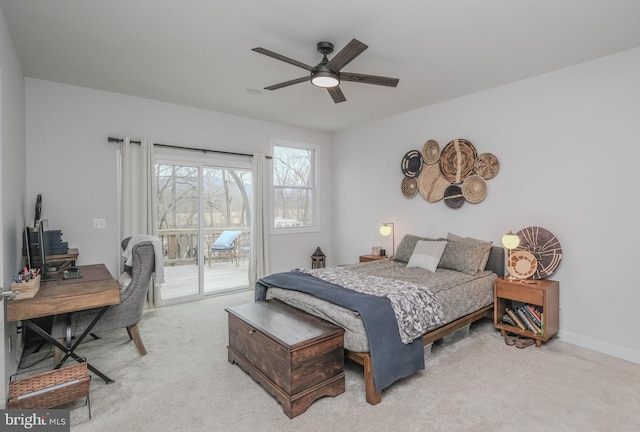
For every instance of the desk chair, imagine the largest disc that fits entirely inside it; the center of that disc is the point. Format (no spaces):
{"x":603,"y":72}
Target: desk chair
{"x":127,"y":314}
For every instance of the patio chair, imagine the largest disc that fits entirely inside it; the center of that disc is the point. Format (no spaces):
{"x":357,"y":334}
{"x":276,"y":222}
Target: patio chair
{"x":225,"y":244}
{"x":244,"y":245}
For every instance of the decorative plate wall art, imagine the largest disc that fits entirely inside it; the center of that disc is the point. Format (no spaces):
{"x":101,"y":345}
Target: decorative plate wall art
{"x":544,"y":246}
{"x":431,"y":152}
{"x":522,"y":264}
{"x":456,"y":174}
{"x":411,"y":163}
{"x":409,"y":186}
{"x":457,"y":160}
{"x":431,"y":183}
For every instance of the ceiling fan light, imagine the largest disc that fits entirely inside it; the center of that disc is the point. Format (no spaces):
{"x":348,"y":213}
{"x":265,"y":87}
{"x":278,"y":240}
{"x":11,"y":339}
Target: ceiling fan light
{"x":325,"y":79}
{"x":326,"y":82}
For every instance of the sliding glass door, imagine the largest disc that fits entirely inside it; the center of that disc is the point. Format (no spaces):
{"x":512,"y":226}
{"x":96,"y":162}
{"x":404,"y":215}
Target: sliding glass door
{"x":204,"y":223}
{"x":227,"y":197}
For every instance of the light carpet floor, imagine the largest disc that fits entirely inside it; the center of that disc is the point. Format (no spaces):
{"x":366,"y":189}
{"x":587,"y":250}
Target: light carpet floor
{"x":185,"y":383}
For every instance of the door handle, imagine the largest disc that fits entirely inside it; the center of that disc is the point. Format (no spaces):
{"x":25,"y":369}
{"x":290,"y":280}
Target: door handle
{"x":9,"y":294}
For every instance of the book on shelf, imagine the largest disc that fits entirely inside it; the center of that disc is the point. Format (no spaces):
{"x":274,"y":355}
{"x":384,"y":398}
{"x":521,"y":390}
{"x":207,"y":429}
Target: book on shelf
{"x":515,"y":318}
{"x":535,"y":311}
{"x":539,"y":316}
{"x":528,"y":309}
{"x":527,"y":320}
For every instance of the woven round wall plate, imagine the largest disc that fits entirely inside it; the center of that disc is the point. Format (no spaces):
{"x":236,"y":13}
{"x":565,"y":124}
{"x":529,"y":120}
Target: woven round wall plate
{"x":544,"y":246}
{"x":409,"y":186}
{"x":431,"y":152}
{"x":411,"y":163}
{"x":457,"y":160}
{"x":522,"y":264}
{"x":486,"y":166}
{"x":474,"y":189}
{"x":453,"y":197}
{"x":431,"y":183}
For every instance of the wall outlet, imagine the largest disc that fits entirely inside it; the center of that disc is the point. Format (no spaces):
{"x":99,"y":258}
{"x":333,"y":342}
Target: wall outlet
{"x":99,"y":223}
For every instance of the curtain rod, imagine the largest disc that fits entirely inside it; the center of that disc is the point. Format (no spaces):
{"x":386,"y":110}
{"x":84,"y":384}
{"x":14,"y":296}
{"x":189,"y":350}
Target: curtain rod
{"x":119,"y":140}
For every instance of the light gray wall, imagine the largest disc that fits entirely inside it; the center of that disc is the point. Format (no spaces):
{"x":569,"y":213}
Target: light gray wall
{"x":568,"y":148}
{"x":12,"y":190}
{"x":74,"y":167}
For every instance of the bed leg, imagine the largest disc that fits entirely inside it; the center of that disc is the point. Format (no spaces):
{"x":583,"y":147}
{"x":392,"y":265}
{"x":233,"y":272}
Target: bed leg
{"x":373,"y":398}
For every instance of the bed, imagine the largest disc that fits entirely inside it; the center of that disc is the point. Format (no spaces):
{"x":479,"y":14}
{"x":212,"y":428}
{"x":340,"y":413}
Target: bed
{"x":390,"y":309}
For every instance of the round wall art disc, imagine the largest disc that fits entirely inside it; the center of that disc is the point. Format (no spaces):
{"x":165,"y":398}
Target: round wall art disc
{"x":544,"y":246}
{"x":431,"y":183}
{"x":522,"y":264}
{"x":409,"y":186}
{"x":411,"y":163}
{"x":474,"y":189}
{"x":431,"y":152}
{"x":457,"y":160}
{"x":453,"y":197}
{"x":487,"y":166}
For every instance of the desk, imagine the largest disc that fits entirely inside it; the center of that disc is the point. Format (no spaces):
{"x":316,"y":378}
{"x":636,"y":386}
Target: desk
{"x":96,"y":289}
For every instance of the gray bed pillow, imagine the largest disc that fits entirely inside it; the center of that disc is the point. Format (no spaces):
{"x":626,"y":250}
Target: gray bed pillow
{"x":485,"y":258}
{"x":407,"y":245}
{"x":463,"y":257}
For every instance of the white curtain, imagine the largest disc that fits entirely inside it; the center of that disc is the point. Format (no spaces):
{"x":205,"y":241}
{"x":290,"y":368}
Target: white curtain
{"x":259,"y":256}
{"x":137,"y":207}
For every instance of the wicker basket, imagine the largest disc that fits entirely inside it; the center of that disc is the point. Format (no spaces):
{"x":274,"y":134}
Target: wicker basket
{"x":50,"y":389}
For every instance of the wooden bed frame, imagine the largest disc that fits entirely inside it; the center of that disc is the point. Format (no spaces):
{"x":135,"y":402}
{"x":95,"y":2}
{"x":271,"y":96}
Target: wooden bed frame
{"x":364,"y":359}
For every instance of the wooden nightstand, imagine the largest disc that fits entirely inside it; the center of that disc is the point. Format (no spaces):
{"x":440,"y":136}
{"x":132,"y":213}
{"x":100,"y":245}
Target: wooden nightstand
{"x":543,"y":295}
{"x":367,"y":258}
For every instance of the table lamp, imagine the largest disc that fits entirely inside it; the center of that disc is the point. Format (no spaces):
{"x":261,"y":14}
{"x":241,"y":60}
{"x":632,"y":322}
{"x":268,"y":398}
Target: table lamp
{"x":386,"y":229}
{"x":510,"y":241}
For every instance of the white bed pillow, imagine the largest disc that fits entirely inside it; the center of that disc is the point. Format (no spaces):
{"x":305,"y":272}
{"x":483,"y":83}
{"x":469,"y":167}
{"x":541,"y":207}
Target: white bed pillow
{"x":427,"y":254}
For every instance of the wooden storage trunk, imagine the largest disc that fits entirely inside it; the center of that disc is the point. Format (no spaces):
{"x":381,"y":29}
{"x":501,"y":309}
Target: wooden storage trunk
{"x":295,"y":356}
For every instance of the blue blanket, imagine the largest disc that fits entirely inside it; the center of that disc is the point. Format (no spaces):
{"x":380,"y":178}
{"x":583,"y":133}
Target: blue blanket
{"x":391,"y":359}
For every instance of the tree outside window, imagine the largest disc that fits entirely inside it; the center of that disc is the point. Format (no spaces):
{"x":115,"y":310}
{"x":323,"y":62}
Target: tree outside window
{"x":294,"y":186}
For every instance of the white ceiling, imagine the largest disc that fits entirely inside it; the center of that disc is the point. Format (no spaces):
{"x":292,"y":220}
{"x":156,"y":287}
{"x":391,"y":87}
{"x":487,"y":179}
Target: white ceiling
{"x":198,"y":52}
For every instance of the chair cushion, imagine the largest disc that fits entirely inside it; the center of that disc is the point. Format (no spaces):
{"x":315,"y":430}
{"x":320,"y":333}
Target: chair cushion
{"x":225,"y":240}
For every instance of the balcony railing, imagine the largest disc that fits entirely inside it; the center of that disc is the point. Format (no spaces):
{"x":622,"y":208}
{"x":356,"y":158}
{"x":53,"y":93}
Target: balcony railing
{"x":180,"y":246}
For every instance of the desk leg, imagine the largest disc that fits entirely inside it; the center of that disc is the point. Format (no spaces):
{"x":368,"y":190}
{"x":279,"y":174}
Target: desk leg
{"x":84,"y":334}
{"x":69,"y":352}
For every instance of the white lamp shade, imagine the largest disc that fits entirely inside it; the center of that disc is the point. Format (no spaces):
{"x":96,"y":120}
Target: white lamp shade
{"x":385,"y":230}
{"x":510,"y":240}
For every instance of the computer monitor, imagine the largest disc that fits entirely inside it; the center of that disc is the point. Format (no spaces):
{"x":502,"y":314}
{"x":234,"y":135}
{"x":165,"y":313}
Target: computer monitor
{"x":44,"y":272}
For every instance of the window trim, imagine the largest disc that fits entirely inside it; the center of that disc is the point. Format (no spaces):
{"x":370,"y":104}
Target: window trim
{"x":315,"y":220}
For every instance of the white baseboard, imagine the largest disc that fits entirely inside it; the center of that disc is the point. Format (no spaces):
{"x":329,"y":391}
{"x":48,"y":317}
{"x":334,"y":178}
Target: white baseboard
{"x":599,"y":346}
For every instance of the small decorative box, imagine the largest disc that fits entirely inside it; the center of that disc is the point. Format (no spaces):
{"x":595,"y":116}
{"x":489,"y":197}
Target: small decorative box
{"x":26,"y":289}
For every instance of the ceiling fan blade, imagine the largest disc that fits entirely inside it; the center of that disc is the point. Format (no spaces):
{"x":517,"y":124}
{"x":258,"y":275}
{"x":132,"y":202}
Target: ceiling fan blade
{"x":336,"y":94}
{"x":369,"y":79}
{"x":282,"y":58}
{"x":288,"y":83}
{"x":352,"y":50}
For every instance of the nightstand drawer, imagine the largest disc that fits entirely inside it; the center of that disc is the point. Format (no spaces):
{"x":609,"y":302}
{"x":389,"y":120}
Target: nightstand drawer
{"x":367,"y":258}
{"x":523,"y":293}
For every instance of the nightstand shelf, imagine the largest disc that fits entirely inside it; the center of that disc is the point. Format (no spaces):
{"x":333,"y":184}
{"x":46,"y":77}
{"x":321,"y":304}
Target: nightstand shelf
{"x":367,"y":258}
{"x":542,"y":293}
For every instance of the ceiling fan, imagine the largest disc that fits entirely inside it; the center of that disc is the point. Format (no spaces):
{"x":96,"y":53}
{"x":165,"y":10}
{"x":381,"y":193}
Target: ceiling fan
{"x":328,"y":73}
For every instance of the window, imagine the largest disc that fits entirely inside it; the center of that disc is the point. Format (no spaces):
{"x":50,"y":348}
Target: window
{"x":294,"y":186}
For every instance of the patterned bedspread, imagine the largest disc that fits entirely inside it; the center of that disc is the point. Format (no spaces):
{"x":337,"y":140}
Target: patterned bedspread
{"x":416,"y":308}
